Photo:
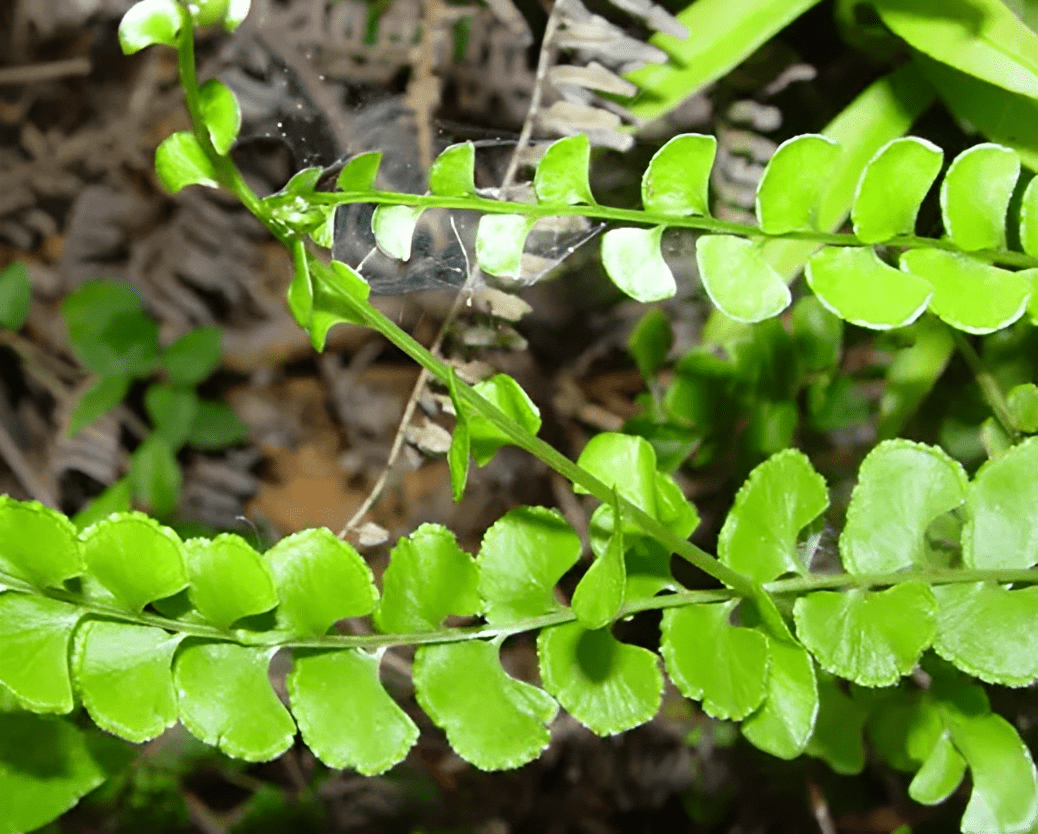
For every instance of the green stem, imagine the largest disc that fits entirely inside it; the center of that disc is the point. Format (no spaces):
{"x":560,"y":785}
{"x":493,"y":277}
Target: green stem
{"x":988,"y":387}
{"x":280,"y":639}
{"x":638,"y":217}
{"x":367,"y":315}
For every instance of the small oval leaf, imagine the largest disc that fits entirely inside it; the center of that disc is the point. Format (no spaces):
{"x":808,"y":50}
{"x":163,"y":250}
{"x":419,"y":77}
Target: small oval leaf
{"x":857,"y":286}
{"x":180,"y":162}
{"x":738,"y":279}
{"x":677,"y":181}
{"x":975,"y":195}
{"x":453,"y":171}
{"x":393,"y":227}
{"x":500,"y":240}
{"x":562,"y":173}
{"x":892,"y":186}
{"x":793,"y":182}
{"x":968,"y":294}
{"x":634,"y":262}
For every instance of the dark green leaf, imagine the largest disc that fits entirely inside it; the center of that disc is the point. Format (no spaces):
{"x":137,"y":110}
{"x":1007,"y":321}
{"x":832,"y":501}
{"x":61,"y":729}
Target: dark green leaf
{"x":15,"y":295}
{"x":173,"y":410}
{"x":215,"y":426}
{"x":155,"y":475}
{"x":97,"y":400}
{"x":194,"y":356}
{"x":109,"y":329}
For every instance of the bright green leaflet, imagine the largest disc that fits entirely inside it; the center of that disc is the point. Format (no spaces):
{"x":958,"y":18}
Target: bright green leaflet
{"x":500,"y":239}
{"x":124,"y":678}
{"x":940,"y":774}
{"x":738,"y":278}
{"x":112,"y":549}
{"x":428,"y":577}
{"x":35,"y":633}
{"x":394,"y":227}
{"x":345,"y":715}
{"x":504,"y":392}
{"x":891,"y":188}
{"x":793,"y":182}
{"x":149,"y":22}
{"x":221,"y":114}
{"x":858,"y":287}
{"x":523,"y":555}
{"x":1005,"y":792}
{"x":40,"y":545}
{"x":624,"y":463}
{"x":225,"y":699}
{"x":724,"y":666}
{"x":600,"y":592}
{"x":562,"y":173}
{"x":1028,"y":219}
{"x":359,"y":173}
{"x":784,"y":723}
{"x":967,"y":294}
{"x":229,"y":580}
{"x":46,"y":765}
{"x":493,"y":721}
{"x":975,"y":195}
{"x":870,"y":637}
{"x":1001,"y":508}
{"x":902,"y":487}
{"x":989,"y":632}
{"x":319,"y":579}
{"x":180,"y":162}
{"x":781,"y":497}
{"x":608,"y":686}
{"x":677,"y":180}
{"x":634,"y":262}
{"x":452,"y":171}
